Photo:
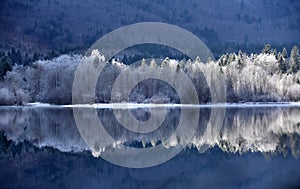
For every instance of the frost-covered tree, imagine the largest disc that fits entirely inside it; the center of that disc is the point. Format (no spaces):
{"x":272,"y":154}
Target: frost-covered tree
{"x":7,"y":97}
{"x":153,"y":64}
{"x":261,"y":77}
{"x":284,"y":53}
{"x":266,"y":49}
{"x":282,"y":64}
{"x":294,"y":60}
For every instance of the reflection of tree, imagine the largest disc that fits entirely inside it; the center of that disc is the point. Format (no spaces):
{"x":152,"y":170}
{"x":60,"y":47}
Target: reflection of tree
{"x":266,"y":130}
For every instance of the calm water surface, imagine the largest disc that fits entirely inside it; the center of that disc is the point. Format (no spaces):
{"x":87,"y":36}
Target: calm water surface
{"x":236,"y":146}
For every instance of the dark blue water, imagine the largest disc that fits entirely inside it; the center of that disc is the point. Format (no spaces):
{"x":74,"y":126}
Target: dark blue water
{"x":256,"y":147}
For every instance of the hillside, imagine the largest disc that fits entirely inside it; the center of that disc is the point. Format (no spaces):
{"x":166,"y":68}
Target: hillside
{"x":225,"y":26}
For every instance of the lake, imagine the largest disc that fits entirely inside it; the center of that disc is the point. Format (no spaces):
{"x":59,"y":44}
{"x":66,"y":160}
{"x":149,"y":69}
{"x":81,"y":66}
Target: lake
{"x":150,"y":146}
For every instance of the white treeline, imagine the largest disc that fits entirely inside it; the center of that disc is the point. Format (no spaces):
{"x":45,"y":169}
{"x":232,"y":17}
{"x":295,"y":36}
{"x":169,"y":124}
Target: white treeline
{"x":247,"y":78}
{"x":265,"y":130}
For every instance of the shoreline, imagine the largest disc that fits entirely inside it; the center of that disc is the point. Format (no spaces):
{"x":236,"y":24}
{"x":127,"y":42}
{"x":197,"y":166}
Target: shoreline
{"x":143,"y":105}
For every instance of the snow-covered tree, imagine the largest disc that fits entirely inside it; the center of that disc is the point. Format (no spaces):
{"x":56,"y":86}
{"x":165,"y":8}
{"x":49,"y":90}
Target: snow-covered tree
{"x":262,"y":77}
{"x":294,"y":60}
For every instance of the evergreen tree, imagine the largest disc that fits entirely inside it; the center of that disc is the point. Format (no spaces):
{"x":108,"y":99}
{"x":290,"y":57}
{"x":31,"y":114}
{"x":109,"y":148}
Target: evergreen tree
{"x":274,"y":51}
{"x":15,"y":56}
{"x":231,"y":58}
{"x":52,"y":54}
{"x":143,"y":64}
{"x":294,"y":60}
{"x":198,"y":59}
{"x":35,"y":57}
{"x":266,"y":49}
{"x":153,"y":64}
{"x":2,"y":54}
{"x":284,"y":53}
{"x":19,"y":58}
{"x":222,"y":60}
{"x":27,"y":60}
{"x":125,"y":60}
{"x":282,"y":65}
{"x":5,"y":66}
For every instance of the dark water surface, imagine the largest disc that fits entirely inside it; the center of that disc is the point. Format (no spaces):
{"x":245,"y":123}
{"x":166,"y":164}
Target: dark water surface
{"x":253,"y":147}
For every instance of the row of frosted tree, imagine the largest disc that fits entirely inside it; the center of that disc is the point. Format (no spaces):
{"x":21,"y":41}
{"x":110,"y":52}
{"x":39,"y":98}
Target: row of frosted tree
{"x":278,"y":130}
{"x":265,"y":77}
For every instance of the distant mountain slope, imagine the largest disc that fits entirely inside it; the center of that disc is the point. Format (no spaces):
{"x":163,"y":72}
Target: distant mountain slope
{"x":43,"y":25}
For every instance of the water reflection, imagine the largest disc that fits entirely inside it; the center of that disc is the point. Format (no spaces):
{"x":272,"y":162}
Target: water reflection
{"x":269,"y":130}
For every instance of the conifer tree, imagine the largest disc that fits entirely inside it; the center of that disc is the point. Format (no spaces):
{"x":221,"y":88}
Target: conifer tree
{"x":5,"y":66}
{"x":266,"y":49}
{"x":284,"y":53}
{"x":294,"y":60}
